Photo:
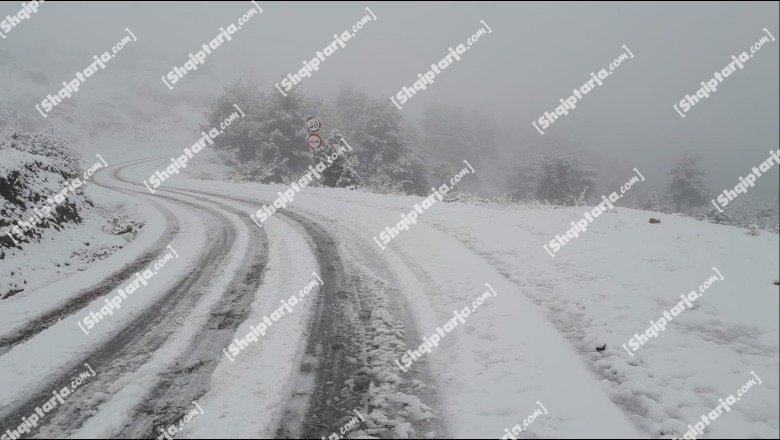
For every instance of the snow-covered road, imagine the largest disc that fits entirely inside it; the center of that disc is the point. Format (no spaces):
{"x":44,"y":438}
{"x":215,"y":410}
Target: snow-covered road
{"x":336,"y":351}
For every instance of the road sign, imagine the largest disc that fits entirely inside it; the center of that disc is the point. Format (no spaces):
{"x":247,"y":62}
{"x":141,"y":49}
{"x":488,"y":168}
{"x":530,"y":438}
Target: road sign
{"x":313,"y":124}
{"x":314,"y":142}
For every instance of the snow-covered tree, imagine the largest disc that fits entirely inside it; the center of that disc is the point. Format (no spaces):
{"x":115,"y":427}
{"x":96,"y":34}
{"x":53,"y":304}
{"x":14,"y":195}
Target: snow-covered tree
{"x":385,"y":153}
{"x":271,"y":140}
{"x":286,"y":132}
{"x":713,"y":216}
{"x":563,"y":179}
{"x":241,"y":136}
{"x":523,"y":180}
{"x":553,"y":179}
{"x":687,"y":185}
{"x":340,"y":172}
{"x":652,"y":203}
{"x":441,"y":172}
{"x":349,"y":176}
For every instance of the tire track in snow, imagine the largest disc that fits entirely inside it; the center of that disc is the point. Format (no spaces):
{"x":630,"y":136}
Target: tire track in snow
{"x":190,"y":379}
{"x":572,"y":322}
{"x":334,"y":353}
{"x":352,"y":339}
{"x":79,"y":301}
{"x":136,"y":343}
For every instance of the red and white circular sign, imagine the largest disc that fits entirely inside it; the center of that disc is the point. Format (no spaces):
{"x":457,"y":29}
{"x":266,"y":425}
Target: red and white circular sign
{"x":313,"y":124}
{"x":314,"y":142}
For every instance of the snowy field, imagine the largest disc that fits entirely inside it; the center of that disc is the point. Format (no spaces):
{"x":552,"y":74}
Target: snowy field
{"x":171,"y":296}
{"x":535,"y":341}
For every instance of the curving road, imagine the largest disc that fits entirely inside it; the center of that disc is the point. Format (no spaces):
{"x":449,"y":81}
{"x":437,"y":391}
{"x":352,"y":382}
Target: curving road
{"x":333,"y":356}
{"x":335,"y":366}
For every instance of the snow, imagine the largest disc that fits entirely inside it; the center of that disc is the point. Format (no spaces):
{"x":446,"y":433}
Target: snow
{"x":134,"y":387}
{"x":535,"y":341}
{"x":28,"y":181}
{"x":244,"y":400}
{"x":538,"y":337}
{"x":29,"y":363}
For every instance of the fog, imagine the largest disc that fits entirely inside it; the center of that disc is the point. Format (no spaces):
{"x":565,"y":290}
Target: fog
{"x":536,"y":54}
{"x":413,"y":240}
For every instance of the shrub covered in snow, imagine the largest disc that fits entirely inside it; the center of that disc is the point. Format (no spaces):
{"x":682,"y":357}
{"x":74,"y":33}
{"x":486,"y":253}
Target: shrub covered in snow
{"x":34,"y":167}
{"x":653,"y":204}
{"x":713,"y":216}
{"x":119,"y":220}
{"x":561,"y":180}
{"x":203,"y":175}
{"x":269,"y":143}
{"x":742,"y":216}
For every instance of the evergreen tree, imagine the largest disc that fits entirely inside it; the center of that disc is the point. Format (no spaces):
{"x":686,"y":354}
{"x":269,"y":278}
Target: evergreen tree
{"x":385,"y":153}
{"x":553,"y":179}
{"x":341,"y":171}
{"x":652,"y":203}
{"x":564,"y":179}
{"x":523,"y":181}
{"x":441,"y":173}
{"x":331,"y":174}
{"x":241,"y":137}
{"x":687,"y":185}
{"x":271,"y":140}
{"x":281,"y":149}
{"x":349,"y":176}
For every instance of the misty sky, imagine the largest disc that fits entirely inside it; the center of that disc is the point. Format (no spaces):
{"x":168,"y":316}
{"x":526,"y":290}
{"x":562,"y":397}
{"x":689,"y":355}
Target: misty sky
{"x":536,"y":54}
